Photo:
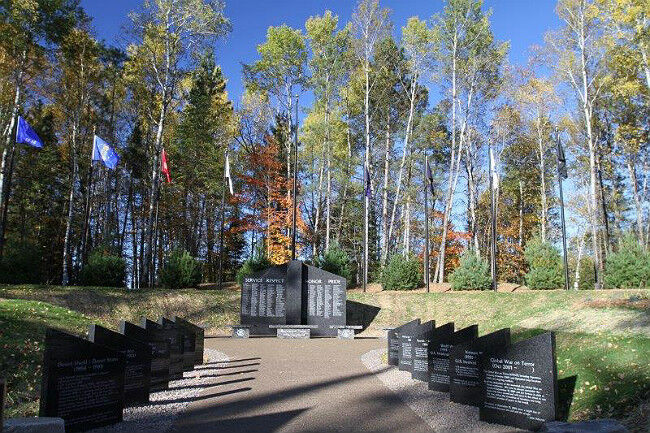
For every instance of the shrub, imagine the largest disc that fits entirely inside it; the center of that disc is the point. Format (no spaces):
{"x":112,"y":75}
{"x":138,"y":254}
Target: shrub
{"x":401,"y":273}
{"x":180,"y":270}
{"x":21,"y":264}
{"x":254,"y":264}
{"x":103,"y":269}
{"x":336,"y":261}
{"x":545,"y":265}
{"x":627,"y":268}
{"x":473,"y":273}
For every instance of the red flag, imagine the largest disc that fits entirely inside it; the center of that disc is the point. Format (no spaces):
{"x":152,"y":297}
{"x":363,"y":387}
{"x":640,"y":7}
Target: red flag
{"x":164,"y":167}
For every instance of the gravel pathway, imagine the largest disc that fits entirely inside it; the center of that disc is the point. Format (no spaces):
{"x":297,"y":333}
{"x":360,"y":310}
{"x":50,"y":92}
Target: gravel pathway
{"x":433,"y":407}
{"x":165,"y":406}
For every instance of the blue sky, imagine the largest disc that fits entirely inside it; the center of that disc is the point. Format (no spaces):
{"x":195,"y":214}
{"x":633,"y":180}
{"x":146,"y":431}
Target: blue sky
{"x":522,"y":22}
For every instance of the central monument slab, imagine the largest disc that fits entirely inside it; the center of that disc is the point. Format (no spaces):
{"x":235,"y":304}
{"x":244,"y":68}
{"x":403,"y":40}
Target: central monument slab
{"x":293,"y":294}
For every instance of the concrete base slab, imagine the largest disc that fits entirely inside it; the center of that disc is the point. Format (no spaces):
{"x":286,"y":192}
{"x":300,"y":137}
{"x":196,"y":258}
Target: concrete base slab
{"x":34,"y":425}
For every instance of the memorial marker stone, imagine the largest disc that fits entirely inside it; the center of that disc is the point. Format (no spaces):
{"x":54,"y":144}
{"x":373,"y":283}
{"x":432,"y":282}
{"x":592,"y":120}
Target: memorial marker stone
{"x":137,"y":373}
{"x":188,"y":339}
{"x":174,"y":337}
{"x":199,"y":333}
{"x":394,"y":344}
{"x":159,"y":353}
{"x":293,"y":294}
{"x":420,"y":354}
{"x":520,"y":383}
{"x":82,"y":382}
{"x":465,"y":365}
{"x":407,"y":339}
{"x":438,"y":348}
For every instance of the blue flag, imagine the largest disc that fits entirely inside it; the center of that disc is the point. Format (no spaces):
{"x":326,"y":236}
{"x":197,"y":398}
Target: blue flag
{"x":25,"y":134}
{"x":103,"y":152}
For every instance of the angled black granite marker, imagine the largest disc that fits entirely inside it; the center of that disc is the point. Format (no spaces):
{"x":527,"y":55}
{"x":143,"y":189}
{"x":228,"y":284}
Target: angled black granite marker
{"x":137,"y":374}
{"x":199,"y":334}
{"x":420,"y":351}
{"x":188,"y":339}
{"x":174,"y":337}
{"x":520,"y":383}
{"x":438,"y":348}
{"x":465,"y":364}
{"x":407,"y":338}
{"x":394,"y":344}
{"x":82,"y":382}
{"x":159,"y":353}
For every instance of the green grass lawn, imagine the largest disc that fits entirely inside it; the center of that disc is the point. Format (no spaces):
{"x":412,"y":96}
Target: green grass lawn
{"x":603,"y":338}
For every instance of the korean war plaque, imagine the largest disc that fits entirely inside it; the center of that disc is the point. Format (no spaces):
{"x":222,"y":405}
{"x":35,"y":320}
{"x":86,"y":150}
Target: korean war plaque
{"x":394,"y":343}
{"x":159,"y":353}
{"x":83,"y":382}
{"x":520,"y":383}
{"x":407,"y":338}
{"x":137,"y":373}
{"x":465,"y":364}
{"x":420,"y":352}
{"x":438,"y":347}
{"x":199,"y":334}
{"x":174,"y":337}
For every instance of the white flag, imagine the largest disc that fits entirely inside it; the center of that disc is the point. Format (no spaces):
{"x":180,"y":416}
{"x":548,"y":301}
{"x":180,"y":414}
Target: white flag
{"x":493,"y":168}
{"x":227,"y":174}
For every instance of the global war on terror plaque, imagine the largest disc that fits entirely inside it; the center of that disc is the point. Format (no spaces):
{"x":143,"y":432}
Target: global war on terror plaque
{"x":520,"y":383}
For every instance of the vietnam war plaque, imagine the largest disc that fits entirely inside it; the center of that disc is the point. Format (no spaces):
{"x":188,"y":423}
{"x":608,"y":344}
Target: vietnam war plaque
{"x":465,"y":364}
{"x":159,"y":353}
{"x":188,"y":341}
{"x":520,"y":383}
{"x":174,"y":338}
{"x":199,"y":334}
{"x":420,"y":351}
{"x":82,"y":382}
{"x":406,"y":338}
{"x":438,"y":348}
{"x":324,"y":296}
{"x":394,"y":343}
{"x":137,"y":373}
{"x":263,"y":299}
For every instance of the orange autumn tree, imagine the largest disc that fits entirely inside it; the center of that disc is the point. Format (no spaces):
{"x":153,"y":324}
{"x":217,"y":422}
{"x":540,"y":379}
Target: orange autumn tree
{"x":454,"y":246}
{"x":267,"y":192}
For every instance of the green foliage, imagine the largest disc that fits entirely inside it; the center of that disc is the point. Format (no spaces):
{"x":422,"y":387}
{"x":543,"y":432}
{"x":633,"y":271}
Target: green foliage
{"x":336,"y":261}
{"x":21,"y":265}
{"x":254,"y":264}
{"x":103,"y":269}
{"x":473,"y":273}
{"x":545,"y":265}
{"x":587,"y":274}
{"x":401,"y":273}
{"x":181,"y":270}
{"x":629,"y":267}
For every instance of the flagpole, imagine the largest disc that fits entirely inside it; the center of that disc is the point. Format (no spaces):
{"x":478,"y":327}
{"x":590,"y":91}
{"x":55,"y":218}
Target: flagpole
{"x":493,"y":236}
{"x":295,"y":184}
{"x":89,"y":202}
{"x":223,"y":213}
{"x":426,"y":222}
{"x":559,"y":178}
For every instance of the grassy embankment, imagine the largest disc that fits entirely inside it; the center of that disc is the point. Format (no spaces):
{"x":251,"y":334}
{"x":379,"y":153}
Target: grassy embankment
{"x":603,"y":338}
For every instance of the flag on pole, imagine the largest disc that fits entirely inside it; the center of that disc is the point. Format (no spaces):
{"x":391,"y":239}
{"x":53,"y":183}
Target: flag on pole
{"x":164,"y":167}
{"x":493,"y":168}
{"x":227,"y":174}
{"x":368,"y":189}
{"x":25,"y":134}
{"x":430,"y":178}
{"x":561,"y":160}
{"x":105,"y":153}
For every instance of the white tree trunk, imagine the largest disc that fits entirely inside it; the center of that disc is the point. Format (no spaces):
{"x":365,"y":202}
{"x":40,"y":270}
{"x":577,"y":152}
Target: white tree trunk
{"x":542,"y":175}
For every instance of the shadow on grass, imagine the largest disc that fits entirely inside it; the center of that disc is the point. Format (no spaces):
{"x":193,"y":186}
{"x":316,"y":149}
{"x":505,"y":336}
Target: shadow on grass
{"x":359,"y":314}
